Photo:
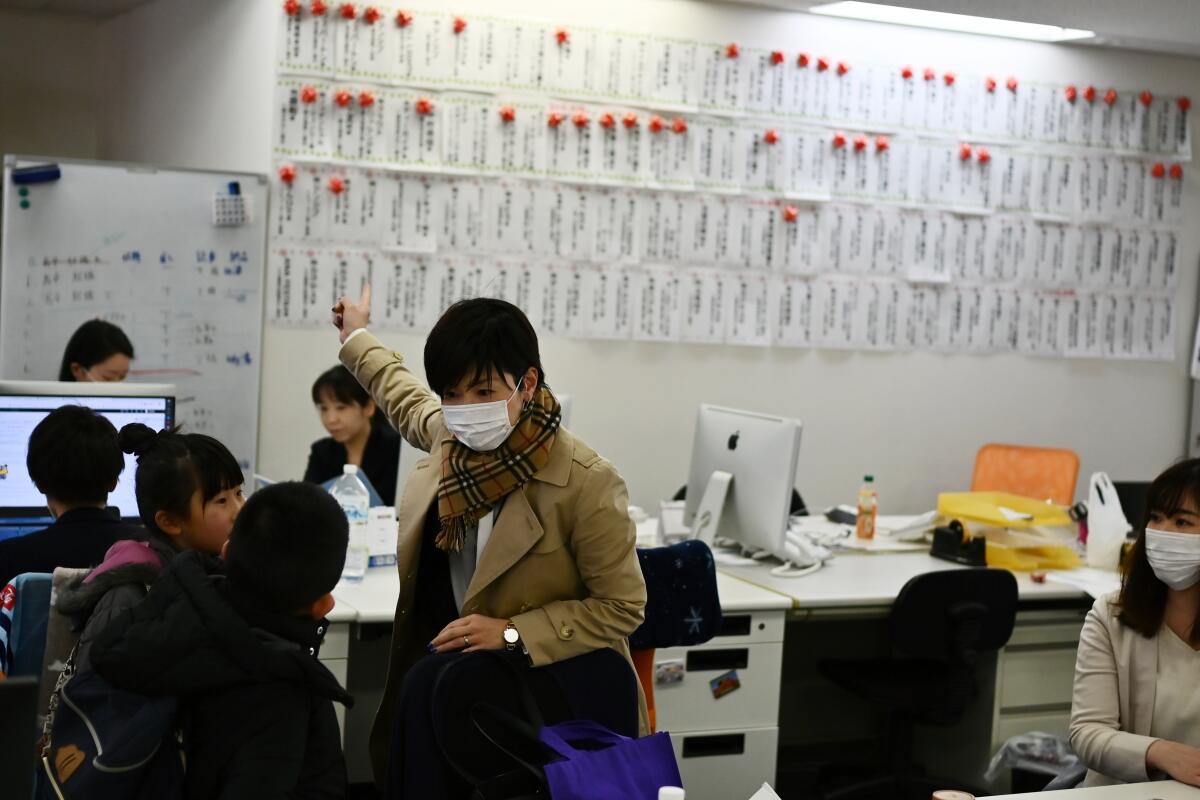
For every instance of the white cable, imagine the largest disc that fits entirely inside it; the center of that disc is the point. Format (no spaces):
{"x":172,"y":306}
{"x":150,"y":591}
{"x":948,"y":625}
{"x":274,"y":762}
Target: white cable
{"x":786,"y":570}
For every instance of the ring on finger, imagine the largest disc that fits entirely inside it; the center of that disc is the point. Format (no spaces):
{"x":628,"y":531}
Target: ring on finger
{"x":467,"y":641}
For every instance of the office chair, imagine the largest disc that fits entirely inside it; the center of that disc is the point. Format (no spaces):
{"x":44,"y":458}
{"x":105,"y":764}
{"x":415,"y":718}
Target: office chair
{"x":18,"y":734}
{"x":25,"y":641}
{"x":1043,"y":473}
{"x":682,"y":606}
{"x":941,"y":625}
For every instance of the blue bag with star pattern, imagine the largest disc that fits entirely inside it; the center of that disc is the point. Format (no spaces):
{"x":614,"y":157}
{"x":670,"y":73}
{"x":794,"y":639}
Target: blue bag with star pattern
{"x":682,"y":606}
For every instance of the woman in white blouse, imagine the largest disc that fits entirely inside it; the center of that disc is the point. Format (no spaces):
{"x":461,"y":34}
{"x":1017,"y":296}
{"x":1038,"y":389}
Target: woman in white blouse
{"x":1135,"y":714}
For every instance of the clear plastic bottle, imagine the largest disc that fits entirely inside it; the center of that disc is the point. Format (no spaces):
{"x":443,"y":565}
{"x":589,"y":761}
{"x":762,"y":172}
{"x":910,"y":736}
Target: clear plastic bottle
{"x":868,"y":500}
{"x":355,"y":501}
{"x":670,"y":793}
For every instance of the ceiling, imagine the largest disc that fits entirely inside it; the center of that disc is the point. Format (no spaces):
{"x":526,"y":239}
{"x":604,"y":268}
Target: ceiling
{"x":1160,"y":26}
{"x":100,"y":9}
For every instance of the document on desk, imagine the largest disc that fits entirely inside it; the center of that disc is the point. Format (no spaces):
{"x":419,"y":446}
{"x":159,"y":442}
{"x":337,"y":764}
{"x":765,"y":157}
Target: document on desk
{"x":1096,"y":582}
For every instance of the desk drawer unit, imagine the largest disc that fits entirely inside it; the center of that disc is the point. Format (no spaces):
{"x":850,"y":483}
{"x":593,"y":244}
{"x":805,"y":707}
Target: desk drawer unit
{"x":726,"y":764}
{"x":1035,"y":673}
{"x":690,"y":705}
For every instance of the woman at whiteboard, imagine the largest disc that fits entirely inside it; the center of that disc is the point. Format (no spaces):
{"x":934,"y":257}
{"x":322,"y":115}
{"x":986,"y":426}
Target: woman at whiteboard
{"x":514,"y":537}
{"x":97,"y":351}
{"x":1135,"y":714}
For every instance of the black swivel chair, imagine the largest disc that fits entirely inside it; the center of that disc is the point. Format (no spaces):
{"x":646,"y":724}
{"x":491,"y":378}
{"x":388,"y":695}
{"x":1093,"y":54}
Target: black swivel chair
{"x":941,"y":625}
{"x":18,"y":735}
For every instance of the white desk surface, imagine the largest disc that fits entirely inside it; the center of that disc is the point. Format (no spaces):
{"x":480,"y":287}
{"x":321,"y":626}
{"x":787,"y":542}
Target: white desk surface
{"x":1159,"y":790}
{"x":862,"y":580}
{"x":374,"y":600}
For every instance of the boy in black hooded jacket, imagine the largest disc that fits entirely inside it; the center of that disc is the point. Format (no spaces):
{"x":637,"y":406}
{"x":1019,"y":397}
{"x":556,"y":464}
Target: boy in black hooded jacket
{"x":240,"y":651}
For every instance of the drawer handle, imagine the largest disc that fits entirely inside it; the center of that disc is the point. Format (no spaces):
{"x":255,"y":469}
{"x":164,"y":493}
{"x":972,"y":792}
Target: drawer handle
{"x":736,"y":625}
{"x":711,"y":660}
{"x":726,"y":744}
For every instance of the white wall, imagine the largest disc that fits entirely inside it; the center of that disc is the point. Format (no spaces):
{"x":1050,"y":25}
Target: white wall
{"x":48,"y":86}
{"x":202,"y":77}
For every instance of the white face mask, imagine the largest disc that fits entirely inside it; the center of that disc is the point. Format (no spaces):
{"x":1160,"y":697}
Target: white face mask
{"x":1174,"y":557}
{"x":480,"y":426}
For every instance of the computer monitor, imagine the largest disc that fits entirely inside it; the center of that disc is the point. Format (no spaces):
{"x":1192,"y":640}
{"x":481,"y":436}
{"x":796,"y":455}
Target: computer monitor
{"x":760,"y":452}
{"x":23,"y":404}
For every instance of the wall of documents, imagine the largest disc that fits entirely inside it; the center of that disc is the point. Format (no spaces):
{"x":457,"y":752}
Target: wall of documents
{"x":626,"y":185}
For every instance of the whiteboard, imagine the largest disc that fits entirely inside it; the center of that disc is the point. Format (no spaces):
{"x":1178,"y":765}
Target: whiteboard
{"x":136,"y":245}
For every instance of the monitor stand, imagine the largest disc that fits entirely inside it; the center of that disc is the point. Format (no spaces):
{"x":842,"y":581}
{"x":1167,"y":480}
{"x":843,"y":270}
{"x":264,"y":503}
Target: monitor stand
{"x":708,"y":514}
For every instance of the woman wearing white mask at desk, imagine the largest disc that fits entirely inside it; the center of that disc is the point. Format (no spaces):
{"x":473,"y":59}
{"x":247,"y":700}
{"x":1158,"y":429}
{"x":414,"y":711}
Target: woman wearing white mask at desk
{"x":514,"y":536}
{"x":98,"y":351}
{"x":1136,"y":709}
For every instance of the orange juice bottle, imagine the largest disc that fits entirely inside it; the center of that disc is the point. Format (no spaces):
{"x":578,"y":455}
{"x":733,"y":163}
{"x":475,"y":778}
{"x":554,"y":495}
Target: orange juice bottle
{"x":867,"y":502}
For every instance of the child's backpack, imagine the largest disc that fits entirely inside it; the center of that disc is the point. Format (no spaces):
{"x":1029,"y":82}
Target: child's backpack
{"x":103,"y":742}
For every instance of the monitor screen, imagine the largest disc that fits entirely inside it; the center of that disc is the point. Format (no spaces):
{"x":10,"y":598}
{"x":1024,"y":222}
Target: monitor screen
{"x":20,"y":414}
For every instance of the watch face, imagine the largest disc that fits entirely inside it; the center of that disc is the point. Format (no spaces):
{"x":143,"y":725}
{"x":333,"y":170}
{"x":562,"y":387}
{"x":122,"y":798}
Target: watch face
{"x":511,"y":635}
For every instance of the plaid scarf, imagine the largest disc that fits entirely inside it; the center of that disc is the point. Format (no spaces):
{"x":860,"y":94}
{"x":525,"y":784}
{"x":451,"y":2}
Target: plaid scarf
{"x":473,"y":483}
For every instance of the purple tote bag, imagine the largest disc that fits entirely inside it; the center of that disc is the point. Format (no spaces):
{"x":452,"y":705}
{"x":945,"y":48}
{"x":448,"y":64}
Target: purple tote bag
{"x":598,"y":764}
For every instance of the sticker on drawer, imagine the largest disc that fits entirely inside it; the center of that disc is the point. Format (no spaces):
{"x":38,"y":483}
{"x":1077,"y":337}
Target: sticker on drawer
{"x":724,"y":684}
{"x":670,"y":672}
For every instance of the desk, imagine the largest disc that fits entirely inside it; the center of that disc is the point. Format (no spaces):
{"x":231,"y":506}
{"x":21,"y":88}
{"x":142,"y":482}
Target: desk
{"x":1159,"y":790}
{"x":839,"y":611}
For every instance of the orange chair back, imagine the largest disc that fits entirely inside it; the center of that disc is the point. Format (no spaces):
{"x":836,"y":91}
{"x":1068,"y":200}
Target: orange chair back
{"x":643,"y":662}
{"x":1043,"y":473}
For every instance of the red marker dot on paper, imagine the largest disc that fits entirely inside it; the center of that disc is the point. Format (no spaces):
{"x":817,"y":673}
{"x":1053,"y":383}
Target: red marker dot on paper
{"x":308,"y":94}
{"x":839,"y":140}
{"x":1146,"y":98}
{"x":1177,"y":172}
{"x":287,"y":173}
{"x":423,"y":106}
{"x":366,"y":99}
{"x":371,"y":15}
{"x":318,"y":8}
{"x":843,"y":67}
{"x":1089,"y":93}
{"x":732,"y":50}
{"x":1184,"y":104}
{"x":790,"y":213}
{"x":983,"y":155}
{"x":776,"y":57}
{"x":655,"y":125}
{"x":607,"y":120}
{"x":822,"y":64}
{"x":562,"y":36}
{"x":964,"y":151}
{"x":1110,"y":96}
{"x":928,"y":74}
{"x":347,"y":11}
{"x":581,"y":119}
{"x":337,"y":185}
{"x":554,"y":119}
{"x":507,"y":113}
{"x":291,"y":7}
{"x":802,"y":60}
{"x":906,"y":73}
{"x":343,"y":97}
{"x":1158,"y":170}
{"x":630,"y":120}
{"x":403,"y":19}
{"x":860,"y":143}
{"x":948,"y":78}
{"x":679,"y":125}
{"x":1011,"y":84}
{"x":459,"y":25}
{"x":1071,"y":93}
{"x":882,"y":143}
{"x":989,"y":83}
{"x":771,"y":136}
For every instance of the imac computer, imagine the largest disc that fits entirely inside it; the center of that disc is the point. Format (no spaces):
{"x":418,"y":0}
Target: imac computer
{"x":742,"y":474}
{"x":23,"y":404}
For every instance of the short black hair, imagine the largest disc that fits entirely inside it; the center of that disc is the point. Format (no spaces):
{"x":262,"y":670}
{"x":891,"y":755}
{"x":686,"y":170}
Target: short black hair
{"x":476,"y":335}
{"x":172,"y":466}
{"x":93,"y":342}
{"x":1143,"y":599}
{"x":74,"y":456}
{"x":288,"y":546}
{"x":341,"y":383}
